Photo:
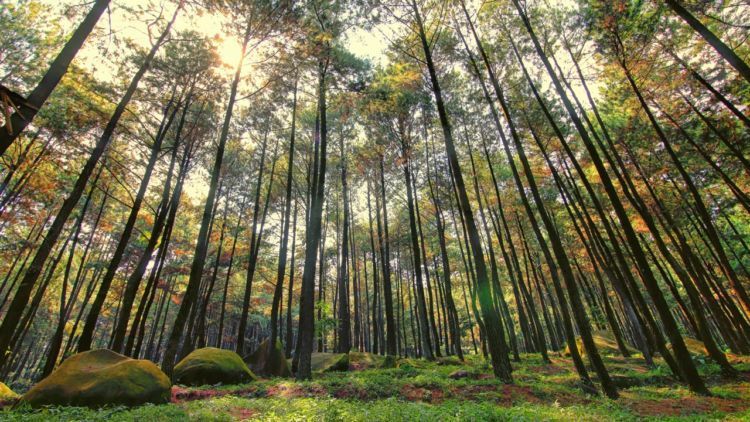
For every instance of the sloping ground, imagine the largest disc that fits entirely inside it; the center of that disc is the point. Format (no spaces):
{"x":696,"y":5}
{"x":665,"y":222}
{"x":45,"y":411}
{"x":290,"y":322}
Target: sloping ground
{"x":605,"y":343}
{"x":419,"y":390}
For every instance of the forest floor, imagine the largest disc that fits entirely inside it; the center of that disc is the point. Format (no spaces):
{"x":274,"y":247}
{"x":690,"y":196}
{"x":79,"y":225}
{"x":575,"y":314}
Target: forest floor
{"x":420,"y":390}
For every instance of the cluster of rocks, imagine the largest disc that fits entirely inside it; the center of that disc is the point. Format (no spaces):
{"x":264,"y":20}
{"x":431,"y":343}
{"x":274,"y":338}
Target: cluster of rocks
{"x":102,"y":377}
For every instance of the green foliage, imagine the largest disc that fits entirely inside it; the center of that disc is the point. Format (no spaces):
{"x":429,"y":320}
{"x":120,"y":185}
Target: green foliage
{"x":326,"y":322}
{"x":28,"y":38}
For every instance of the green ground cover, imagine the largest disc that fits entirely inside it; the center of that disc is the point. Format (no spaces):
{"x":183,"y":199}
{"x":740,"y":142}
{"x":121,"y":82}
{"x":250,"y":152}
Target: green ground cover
{"x":420,"y":390}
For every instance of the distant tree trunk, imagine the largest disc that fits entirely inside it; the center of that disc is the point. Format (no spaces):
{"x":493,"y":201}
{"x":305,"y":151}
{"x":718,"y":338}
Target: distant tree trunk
{"x":322,"y":280}
{"x":670,"y":326}
{"x":84,"y":342}
{"x":344,"y":333}
{"x":425,"y":263}
{"x":424,"y":324}
{"x":201,"y":247}
{"x":358,"y":342}
{"x":201,"y":330}
{"x":283,"y":247}
{"x":365,"y":310}
{"x":255,"y":242}
{"x":292,"y":271}
{"x":57,"y":337}
{"x":390,"y":329}
{"x":312,"y":241}
{"x":454,"y":329}
{"x":376,"y":327}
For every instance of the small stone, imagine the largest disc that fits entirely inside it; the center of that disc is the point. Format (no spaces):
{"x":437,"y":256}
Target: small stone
{"x":458,"y":374}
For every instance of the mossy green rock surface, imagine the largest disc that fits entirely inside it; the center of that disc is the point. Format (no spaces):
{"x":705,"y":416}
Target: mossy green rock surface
{"x":269,"y":361}
{"x":449,"y":360}
{"x":212,"y":366}
{"x":328,"y":362}
{"x":359,"y":361}
{"x":6,"y":394}
{"x":101,"y":377}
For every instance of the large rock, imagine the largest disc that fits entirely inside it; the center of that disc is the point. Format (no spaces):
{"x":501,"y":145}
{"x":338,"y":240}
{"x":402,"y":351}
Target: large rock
{"x":6,"y":394}
{"x":360,"y":361}
{"x":605,"y":343}
{"x":269,"y":361}
{"x":328,"y":362}
{"x":101,"y":377}
{"x":212,"y":366}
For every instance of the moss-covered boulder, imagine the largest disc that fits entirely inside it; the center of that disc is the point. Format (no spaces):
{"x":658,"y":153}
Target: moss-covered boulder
{"x":411,"y":363}
{"x":449,"y":361}
{"x":329,"y":362}
{"x":101,"y":377}
{"x":361,"y":361}
{"x":605,"y":343}
{"x":212,"y":366}
{"x":267,"y":361}
{"x":6,"y":394}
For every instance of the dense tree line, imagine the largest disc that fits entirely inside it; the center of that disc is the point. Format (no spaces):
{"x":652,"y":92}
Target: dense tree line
{"x":513,"y":177}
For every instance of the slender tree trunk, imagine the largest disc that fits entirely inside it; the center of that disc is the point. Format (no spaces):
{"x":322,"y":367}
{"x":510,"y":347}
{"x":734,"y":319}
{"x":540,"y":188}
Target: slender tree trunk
{"x":27,"y":109}
{"x":283,"y":247}
{"x":292,"y":272}
{"x":724,"y":50}
{"x":498,"y":350}
{"x":424,"y":324}
{"x":312,"y":241}
{"x":201,"y":247}
{"x":376,"y":327}
{"x":84,"y":342}
{"x":670,"y":326}
{"x":344,"y":333}
{"x":387,"y":298}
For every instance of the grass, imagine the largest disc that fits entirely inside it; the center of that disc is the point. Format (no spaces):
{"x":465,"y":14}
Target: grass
{"x":423,"y":391}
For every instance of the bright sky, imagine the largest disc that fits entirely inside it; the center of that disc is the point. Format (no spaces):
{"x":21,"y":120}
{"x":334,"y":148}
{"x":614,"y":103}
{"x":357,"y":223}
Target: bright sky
{"x":118,"y":22}
{"x":99,"y":54}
